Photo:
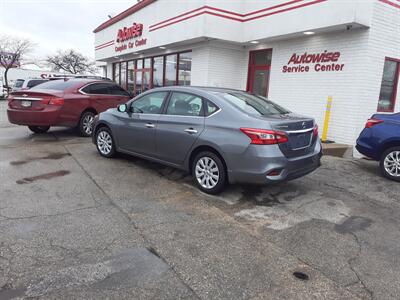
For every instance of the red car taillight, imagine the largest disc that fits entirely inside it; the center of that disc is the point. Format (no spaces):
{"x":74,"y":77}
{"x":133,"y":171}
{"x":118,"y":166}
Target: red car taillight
{"x":372,"y":122}
{"x":315,"y":130}
{"x":265,"y":137}
{"x":53,"y":101}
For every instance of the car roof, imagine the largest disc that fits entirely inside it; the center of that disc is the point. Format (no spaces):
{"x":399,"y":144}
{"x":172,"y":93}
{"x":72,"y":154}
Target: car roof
{"x":200,"y":89}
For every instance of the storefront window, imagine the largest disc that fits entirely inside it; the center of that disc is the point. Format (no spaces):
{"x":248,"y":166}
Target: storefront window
{"x":123,"y":75}
{"x":185,"y":67}
{"x":116,"y":73}
{"x":147,"y":63}
{"x":170,"y":69}
{"x":140,"y":75}
{"x":138,"y":82}
{"x":131,"y":76}
{"x":158,"y":71}
{"x":139,"y":64}
{"x":390,"y":79}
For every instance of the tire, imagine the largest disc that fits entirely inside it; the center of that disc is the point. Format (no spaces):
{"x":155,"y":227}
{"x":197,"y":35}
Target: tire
{"x":390,"y":163}
{"x":209,"y":172}
{"x":86,"y":124}
{"x":39,"y":129}
{"x":105,"y":143}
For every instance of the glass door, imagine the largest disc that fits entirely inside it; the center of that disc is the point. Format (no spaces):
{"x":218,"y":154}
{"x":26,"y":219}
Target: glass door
{"x":259,"y":71}
{"x":259,"y":79}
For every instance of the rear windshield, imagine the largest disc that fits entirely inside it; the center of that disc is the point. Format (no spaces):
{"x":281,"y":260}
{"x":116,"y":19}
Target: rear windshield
{"x":19,"y":83}
{"x":35,"y":82}
{"x":254,"y":104}
{"x":59,"y":84}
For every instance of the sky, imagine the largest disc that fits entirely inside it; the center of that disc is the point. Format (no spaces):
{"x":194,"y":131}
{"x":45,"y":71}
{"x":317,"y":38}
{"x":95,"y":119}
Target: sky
{"x":57,"y":24}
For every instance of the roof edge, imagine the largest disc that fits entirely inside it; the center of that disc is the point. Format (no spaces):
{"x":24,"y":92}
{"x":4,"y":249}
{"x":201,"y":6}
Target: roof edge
{"x":138,"y":6}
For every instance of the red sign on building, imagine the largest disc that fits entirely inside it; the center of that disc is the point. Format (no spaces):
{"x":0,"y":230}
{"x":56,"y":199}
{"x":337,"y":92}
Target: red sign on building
{"x":127,"y":33}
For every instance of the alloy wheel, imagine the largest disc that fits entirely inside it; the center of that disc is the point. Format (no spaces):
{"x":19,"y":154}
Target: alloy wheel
{"x":104,"y":142}
{"x":87,"y":124}
{"x":207,"y":172}
{"x":392,"y":163}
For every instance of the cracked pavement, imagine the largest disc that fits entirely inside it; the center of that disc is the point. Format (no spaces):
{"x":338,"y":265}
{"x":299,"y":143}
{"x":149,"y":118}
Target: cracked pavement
{"x":74,"y":225}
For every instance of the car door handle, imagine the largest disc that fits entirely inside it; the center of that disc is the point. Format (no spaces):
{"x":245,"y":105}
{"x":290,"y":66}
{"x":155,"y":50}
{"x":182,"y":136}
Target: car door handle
{"x":190,"y":130}
{"x":150,"y":125}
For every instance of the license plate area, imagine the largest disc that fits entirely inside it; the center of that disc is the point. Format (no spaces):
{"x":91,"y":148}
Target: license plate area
{"x":26,"y":103}
{"x":300,"y":141}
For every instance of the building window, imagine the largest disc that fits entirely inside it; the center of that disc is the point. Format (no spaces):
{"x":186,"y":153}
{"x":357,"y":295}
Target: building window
{"x":131,"y":76}
{"x":170,"y":69}
{"x":390,"y":79}
{"x":123,"y":75}
{"x":142,"y":74}
{"x":158,"y":71}
{"x":117,"y":73}
{"x":185,"y":68}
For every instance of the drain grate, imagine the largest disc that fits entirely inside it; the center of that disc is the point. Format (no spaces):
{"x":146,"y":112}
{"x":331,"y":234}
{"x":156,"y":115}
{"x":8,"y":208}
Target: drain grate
{"x":301,"y":275}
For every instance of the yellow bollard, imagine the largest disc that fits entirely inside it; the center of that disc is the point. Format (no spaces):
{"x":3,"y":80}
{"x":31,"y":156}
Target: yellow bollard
{"x":327,"y":117}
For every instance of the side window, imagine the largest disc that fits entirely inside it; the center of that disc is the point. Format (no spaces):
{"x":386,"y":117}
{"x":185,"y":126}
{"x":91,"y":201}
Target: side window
{"x":96,"y":89}
{"x":211,"y":108}
{"x":117,"y":90}
{"x":185,"y":105}
{"x":149,"y":104}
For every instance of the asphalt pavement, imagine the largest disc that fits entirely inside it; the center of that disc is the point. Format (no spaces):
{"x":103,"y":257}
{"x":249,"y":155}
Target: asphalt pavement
{"x":74,"y":225}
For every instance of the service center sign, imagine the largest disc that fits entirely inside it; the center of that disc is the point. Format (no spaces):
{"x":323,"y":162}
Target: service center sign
{"x":126,"y":34}
{"x":319,"y":62}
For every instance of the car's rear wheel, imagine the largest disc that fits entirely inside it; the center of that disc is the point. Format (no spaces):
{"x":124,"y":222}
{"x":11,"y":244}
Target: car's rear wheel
{"x":390,"y":163}
{"x":86,"y":124}
{"x":39,"y":129}
{"x":105,"y":142}
{"x":209,"y":172}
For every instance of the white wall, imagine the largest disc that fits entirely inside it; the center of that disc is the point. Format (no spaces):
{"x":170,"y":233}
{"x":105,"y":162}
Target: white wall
{"x":219,"y":64}
{"x":223,"y":19}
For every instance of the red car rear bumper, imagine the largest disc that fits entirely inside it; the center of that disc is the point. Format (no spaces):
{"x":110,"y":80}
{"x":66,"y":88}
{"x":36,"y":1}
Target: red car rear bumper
{"x":48,"y":117}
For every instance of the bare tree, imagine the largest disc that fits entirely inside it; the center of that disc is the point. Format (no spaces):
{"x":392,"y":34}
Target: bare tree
{"x":12,"y":53}
{"x":72,"y":62}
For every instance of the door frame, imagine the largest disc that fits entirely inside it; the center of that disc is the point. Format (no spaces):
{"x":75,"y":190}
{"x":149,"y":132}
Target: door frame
{"x":252,"y":67}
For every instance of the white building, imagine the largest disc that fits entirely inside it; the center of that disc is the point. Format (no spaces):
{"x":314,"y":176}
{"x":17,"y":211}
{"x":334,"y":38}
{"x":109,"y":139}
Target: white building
{"x":295,"y":52}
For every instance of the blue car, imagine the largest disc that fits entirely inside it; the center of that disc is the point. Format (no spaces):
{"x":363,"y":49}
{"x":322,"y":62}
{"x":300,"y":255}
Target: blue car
{"x":380,"y":141}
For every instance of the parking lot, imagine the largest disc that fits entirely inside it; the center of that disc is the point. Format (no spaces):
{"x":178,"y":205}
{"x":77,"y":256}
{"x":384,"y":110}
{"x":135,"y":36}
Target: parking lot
{"x":74,"y":225}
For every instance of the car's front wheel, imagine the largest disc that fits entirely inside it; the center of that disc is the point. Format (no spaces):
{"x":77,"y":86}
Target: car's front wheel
{"x":209,"y":172}
{"x":105,"y":142}
{"x":390,"y":163}
{"x":39,"y":129}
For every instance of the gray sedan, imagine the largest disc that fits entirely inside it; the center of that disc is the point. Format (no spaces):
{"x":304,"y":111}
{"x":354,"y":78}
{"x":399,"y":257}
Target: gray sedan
{"x":219,"y":135}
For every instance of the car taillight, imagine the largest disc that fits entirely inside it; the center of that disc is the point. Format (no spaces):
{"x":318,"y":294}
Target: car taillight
{"x":265,"y":137}
{"x":10,"y":99}
{"x":53,"y":101}
{"x":372,"y":122}
{"x":315,"y":130}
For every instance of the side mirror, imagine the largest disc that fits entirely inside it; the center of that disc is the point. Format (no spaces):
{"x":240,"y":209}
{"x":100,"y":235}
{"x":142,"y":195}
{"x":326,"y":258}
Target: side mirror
{"x":122,"y":108}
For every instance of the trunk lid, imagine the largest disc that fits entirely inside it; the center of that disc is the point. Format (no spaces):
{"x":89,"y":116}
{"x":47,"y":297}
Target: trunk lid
{"x":395,"y":118}
{"x":299,"y":130}
{"x":32,"y":100}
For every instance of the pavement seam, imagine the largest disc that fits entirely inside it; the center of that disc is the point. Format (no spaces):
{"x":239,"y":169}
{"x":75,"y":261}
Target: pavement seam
{"x":126,"y":215}
{"x":48,"y":216}
{"x":350,"y":263}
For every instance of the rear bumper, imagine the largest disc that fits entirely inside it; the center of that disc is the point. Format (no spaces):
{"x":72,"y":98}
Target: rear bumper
{"x":288,"y":168}
{"x":366,"y":150}
{"x":34,"y":118}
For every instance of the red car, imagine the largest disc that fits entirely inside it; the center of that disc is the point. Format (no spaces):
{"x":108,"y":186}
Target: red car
{"x":64,"y":102}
